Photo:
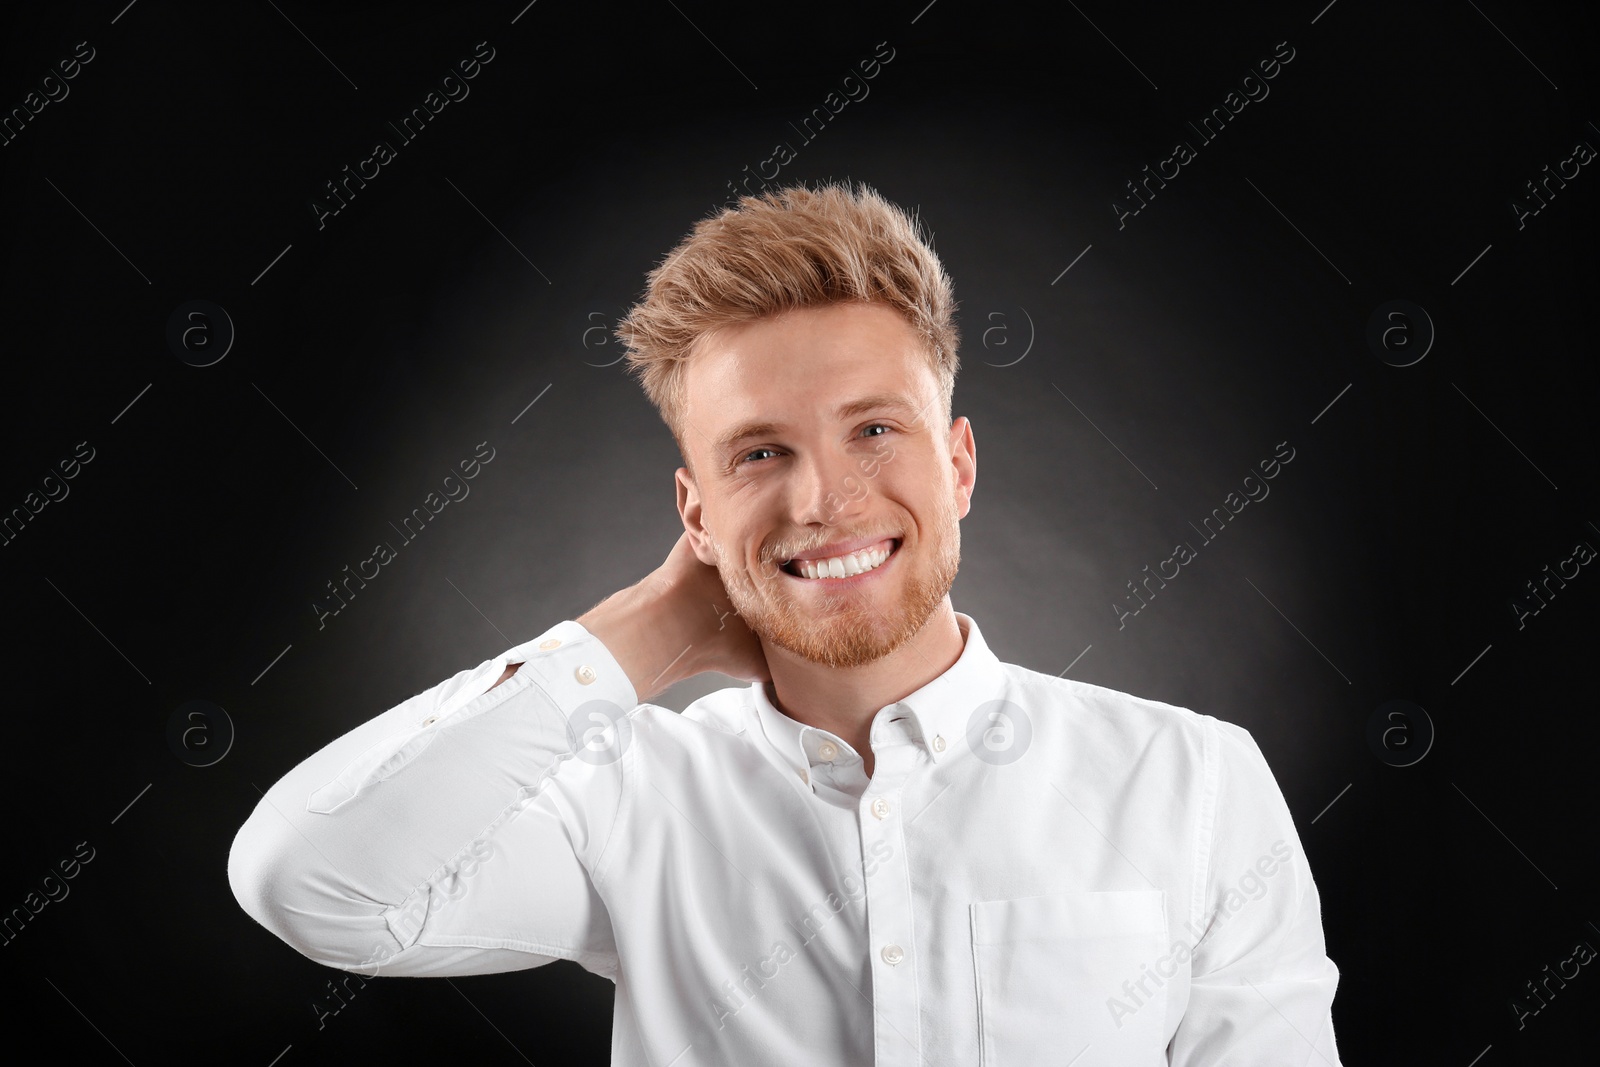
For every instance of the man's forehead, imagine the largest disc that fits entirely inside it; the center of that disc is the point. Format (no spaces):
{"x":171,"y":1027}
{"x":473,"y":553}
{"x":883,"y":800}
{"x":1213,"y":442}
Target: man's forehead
{"x":806,"y":365}
{"x":731,"y":412}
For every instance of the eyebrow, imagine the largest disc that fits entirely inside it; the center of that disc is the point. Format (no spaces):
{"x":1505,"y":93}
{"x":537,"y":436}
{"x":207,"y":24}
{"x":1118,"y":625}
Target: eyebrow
{"x":850,"y":409}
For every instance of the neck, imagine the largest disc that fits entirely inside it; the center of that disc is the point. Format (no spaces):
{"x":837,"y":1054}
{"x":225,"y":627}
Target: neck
{"x":843,"y":700}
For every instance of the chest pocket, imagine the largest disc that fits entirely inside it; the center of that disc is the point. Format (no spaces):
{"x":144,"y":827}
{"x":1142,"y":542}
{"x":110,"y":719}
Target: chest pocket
{"x":1051,"y":973}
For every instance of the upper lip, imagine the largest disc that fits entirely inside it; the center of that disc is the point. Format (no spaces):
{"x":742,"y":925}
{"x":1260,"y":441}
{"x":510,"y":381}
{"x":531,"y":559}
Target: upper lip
{"x":842,"y":548}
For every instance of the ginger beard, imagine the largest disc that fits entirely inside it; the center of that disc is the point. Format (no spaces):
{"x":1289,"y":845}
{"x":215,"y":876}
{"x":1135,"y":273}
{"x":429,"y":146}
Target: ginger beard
{"x":845,"y":628}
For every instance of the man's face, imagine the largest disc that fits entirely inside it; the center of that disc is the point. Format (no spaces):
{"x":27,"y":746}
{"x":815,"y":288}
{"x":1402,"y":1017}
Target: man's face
{"x":817,"y":434}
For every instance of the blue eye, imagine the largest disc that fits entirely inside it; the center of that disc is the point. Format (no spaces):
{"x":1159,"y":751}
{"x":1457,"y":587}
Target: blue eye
{"x":746,"y":458}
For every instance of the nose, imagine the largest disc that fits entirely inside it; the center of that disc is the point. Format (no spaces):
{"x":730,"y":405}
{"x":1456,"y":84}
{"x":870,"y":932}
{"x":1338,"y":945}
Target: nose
{"x":829,"y":488}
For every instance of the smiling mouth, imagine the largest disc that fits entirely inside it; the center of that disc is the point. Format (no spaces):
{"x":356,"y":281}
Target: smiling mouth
{"x":848,"y":565}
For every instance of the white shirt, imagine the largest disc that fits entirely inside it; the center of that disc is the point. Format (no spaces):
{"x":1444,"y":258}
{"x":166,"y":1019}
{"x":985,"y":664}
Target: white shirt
{"x":1039,"y":870}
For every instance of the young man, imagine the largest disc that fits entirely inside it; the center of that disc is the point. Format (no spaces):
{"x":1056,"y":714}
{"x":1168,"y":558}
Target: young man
{"x":891,"y":847}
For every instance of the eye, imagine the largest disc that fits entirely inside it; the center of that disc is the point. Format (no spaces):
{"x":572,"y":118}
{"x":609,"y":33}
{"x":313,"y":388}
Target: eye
{"x":751,"y":456}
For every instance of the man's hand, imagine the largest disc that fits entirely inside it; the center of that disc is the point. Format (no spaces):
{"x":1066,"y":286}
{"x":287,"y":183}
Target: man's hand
{"x":674,"y":624}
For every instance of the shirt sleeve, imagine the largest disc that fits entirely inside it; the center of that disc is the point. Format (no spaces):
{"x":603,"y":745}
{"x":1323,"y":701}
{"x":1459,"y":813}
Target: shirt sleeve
{"x":463,"y":831}
{"x":1261,"y":985}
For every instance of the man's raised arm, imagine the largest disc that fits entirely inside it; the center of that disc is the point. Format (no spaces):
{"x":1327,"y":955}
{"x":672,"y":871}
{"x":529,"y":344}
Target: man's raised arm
{"x":464,"y":830}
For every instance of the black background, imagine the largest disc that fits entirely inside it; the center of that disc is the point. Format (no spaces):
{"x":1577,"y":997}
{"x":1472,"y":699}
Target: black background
{"x":1114,"y":403}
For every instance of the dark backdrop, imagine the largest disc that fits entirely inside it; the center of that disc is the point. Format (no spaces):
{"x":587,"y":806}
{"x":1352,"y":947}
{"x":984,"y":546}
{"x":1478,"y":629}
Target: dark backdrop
{"x":1124,"y":373}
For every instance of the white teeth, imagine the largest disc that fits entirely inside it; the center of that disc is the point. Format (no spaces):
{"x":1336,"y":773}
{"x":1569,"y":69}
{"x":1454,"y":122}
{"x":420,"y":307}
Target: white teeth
{"x":845,"y":566}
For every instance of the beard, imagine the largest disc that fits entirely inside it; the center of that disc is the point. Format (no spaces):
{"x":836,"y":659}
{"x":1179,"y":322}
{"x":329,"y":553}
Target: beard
{"x":846,"y":628}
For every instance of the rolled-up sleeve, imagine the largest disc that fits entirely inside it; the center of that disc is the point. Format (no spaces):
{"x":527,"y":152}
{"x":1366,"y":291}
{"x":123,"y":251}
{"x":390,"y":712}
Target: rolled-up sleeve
{"x":463,"y":831}
{"x":1262,"y":985}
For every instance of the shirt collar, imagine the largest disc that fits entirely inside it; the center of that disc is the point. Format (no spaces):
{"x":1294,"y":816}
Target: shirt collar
{"x":942,"y":712}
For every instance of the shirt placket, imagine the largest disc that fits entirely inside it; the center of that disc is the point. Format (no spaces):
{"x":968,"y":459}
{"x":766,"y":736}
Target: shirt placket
{"x":891,"y":944}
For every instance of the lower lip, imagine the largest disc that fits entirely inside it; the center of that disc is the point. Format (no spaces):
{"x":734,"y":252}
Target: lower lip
{"x":852,"y":581}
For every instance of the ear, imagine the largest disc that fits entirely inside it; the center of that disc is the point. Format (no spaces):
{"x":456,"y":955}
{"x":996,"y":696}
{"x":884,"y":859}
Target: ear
{"x":964,"y":458}
{"x":690,"y":511}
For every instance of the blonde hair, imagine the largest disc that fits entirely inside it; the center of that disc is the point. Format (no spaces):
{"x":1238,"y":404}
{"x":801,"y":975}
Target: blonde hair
{"x":789,"y":248}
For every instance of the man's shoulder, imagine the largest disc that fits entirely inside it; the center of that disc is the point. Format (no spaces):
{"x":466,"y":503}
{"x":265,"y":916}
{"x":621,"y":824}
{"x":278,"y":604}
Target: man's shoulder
{"x":1095,"y":729}
{"x":1089,"y":711}
{"x":722,"y":711}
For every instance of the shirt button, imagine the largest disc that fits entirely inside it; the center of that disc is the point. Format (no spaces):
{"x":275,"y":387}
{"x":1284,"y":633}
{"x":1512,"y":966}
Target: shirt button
{"x":892,"y":954}
{"x":430,"y":720}
{"x":553,"y":642}
{"x":938,"y":743}
{"x":586,"y":674}
{"x":827,"y":750}
{"x":880,"y":808}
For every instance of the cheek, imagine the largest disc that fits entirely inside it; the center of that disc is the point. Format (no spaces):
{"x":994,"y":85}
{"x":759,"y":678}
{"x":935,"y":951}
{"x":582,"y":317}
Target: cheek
{"x":736,"y":554}
{"x":926,"y":490}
